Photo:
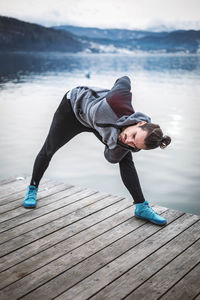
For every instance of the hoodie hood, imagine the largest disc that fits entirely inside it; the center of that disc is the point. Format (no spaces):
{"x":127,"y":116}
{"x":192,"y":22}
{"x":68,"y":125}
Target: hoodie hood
{"x":127,"y":121}
{"x":111,"y":131}
{"x":133,"y":119}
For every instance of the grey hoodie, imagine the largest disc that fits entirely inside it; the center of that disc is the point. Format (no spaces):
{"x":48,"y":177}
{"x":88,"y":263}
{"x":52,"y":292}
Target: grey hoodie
{"x":107,"y":111}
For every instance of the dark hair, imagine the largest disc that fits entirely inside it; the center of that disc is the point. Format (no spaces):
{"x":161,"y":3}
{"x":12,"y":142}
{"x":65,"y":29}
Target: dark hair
{"x":155,"y":136}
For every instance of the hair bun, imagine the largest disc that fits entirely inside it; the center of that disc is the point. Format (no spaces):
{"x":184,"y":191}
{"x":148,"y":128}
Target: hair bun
{"x":166,"y":140}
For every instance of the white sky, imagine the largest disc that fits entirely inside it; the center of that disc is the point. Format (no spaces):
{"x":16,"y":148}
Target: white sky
{"x":131,"y":14}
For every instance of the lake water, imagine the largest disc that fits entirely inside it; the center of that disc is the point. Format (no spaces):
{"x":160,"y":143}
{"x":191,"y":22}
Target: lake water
{"x":166,"y":87}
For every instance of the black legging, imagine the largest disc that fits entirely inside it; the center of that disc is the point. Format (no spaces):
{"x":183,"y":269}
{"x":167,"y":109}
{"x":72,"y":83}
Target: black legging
{"x":63,"y":128}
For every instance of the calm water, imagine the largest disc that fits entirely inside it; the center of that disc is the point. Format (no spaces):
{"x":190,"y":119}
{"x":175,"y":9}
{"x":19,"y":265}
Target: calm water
{"x":165,"y":87}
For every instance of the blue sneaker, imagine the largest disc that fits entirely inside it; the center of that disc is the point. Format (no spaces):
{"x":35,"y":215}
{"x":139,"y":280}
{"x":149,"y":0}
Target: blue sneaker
{"x":30,"y":200}
{"x":144,"y":211}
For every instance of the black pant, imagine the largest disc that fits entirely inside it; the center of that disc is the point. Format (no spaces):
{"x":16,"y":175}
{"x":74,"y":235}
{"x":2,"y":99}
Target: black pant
{"x":63,"y":128}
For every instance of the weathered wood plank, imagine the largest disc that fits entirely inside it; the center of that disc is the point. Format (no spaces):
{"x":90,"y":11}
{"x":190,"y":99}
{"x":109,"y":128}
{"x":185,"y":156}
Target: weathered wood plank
{"x":10,"y":185}
{"x":88,"y":265}
{"x":187,"y":288}
{"x":41,"y":227}
{"x":13,"y":187}
{"x":44,"y":215}
{"x":113,"y":229}
{"x":86,"y":244}
{"x":20,"y":191}
{"x":121,"y":264}
{"x":63,"y":199}
{"x":134,"y":278}
{"x":7,"y":183}
{"x":17,"y":186}
{"x":15,"y":208}
{"x":7,"y":180}
{"x":15,"y":198}
{"x":9,"y":191}
{"x":169,"y":275}
{"x":93,"y":223}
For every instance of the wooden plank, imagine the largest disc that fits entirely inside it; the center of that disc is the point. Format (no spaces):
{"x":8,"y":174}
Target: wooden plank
{"x":11,"y":201}
{"x":64,"y":220}
{"x":38,"y":228}
{"x":102,"y":276}
{"x":17,"y":195}
{"x":187,"y":288}
{"x":137,"y":275}
{"x":173,"y":272}
{"x":38,"y":217}
{"x":55,"y":283}
{"x":21,"y":186}
{"x":16,"y":185}
{"x":90,"y":226}
{"x":15,"y":208}
{"x":92,"y":247}
{"x":31,"y":214}
{"x":7,"y":180}
{"x":12,"y":194}
{"x":103,"y":233}
{"x":13,"y":187}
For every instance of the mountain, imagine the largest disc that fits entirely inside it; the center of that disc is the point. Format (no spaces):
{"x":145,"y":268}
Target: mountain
{"x":116,"y":40}
{"x":179,"y":40}
{"x":110,"y":34}
{"x":16,"y":35}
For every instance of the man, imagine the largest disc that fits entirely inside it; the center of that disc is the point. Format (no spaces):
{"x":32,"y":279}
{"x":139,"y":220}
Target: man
{"x":110,"y":116}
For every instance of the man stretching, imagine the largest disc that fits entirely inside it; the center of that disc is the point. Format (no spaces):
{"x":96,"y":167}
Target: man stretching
{"x":110,"y":116}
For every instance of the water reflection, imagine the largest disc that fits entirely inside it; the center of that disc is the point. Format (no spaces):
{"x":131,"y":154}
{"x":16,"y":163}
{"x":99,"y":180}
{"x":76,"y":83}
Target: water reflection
{"x":17,"y":66}
{"x":176,"y":124}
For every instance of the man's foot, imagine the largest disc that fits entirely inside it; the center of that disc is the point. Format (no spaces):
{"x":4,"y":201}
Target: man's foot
{"x":30,"y":200}
{"x":144,"y":211}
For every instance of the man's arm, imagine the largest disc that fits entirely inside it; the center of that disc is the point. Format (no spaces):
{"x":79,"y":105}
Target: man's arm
{"x":113,"y":156}
{"x":127,"y":170}
{"x":130,"y":178}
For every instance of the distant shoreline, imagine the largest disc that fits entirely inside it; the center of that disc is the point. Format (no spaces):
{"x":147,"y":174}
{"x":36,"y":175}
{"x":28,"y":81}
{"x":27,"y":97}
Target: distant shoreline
{"x":17,"y":35}
{"x":133,"y":53}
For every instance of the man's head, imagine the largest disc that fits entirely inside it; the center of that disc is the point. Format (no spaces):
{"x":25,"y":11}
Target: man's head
{"x":144,"y":135}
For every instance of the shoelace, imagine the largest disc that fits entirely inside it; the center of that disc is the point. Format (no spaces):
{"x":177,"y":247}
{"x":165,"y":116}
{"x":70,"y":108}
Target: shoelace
{"x":32,"y":192}
{"x":150,"y":210}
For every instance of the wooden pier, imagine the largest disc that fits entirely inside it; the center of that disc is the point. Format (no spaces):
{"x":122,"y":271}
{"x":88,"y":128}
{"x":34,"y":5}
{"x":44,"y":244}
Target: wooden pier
{"x":83,"y":244}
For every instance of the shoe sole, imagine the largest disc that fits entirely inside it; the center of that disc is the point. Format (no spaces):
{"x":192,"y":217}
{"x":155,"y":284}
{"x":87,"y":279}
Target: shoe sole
{"x":150,"y":220}
{"x":29,"y":206}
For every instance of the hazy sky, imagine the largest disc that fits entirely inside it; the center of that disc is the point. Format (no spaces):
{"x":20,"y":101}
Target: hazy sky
{"x":132,"y":14}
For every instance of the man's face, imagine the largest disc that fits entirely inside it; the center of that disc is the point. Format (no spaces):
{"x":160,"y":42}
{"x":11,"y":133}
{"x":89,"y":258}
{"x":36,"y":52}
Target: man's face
{"x":134,"y":136}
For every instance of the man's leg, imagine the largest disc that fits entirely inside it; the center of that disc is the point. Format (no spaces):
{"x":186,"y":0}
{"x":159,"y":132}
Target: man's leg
{"x":131,"y":181}
{"x":63,"y":128}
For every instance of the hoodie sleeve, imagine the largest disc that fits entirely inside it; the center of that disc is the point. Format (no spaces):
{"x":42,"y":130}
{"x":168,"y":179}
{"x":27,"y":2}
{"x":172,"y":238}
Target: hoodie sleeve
{"x":115,"y":155}
{"x":119,"y":97}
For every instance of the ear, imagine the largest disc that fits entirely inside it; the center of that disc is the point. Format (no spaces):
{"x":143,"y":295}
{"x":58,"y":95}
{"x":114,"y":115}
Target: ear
{"x":141,"y":123}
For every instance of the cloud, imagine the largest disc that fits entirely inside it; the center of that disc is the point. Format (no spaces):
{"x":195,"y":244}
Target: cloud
{"x":105,"y":13}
